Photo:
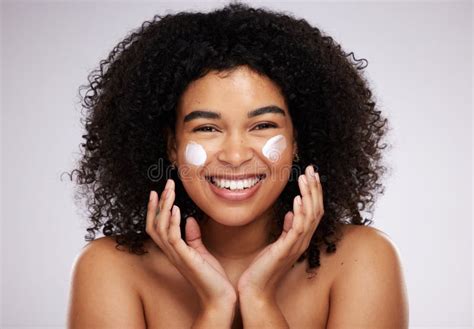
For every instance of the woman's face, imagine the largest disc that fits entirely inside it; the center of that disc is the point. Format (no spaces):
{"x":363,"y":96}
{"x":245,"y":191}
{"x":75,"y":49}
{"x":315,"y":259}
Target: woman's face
{"x":228,"y":127}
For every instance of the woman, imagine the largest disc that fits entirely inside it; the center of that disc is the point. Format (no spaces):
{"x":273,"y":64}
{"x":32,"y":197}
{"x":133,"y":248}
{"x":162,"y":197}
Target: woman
{"x":231,"y":152}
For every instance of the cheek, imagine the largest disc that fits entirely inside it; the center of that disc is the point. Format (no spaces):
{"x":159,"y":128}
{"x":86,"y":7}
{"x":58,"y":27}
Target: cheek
{"x":195,"y":154}
{"x":274,"y":148}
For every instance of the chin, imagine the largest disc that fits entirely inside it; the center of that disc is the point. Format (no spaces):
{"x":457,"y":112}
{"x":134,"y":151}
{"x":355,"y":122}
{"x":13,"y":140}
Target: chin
{"x":232,"y":217}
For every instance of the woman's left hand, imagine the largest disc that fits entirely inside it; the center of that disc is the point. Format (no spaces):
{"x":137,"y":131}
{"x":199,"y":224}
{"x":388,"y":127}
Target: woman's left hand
{"x":261,"y":278}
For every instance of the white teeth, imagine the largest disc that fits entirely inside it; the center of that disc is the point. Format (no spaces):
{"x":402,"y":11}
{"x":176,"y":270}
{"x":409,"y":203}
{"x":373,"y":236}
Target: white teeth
{"x":235,"y":184}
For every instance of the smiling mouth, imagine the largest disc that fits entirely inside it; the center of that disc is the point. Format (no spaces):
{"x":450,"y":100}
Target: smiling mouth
{"x":235,"y":184}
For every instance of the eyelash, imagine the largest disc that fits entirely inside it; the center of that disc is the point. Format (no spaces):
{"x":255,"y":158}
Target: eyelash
{"x":271,"y":125}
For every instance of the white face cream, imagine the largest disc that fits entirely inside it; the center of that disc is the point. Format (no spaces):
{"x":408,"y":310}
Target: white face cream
{"x":195,"y":154}
{"x":274,"y":147}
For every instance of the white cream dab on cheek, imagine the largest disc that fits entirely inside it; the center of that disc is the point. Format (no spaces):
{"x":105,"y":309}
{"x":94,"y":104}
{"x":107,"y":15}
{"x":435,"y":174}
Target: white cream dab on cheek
{"x":274,"y":147}
{"x":195,"y":154}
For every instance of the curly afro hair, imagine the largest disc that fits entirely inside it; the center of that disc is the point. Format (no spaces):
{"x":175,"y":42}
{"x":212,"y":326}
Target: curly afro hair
{"x":130,"y":109}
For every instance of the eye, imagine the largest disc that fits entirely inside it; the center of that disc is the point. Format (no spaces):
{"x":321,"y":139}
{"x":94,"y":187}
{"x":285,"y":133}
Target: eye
{"x":269,"y":125}
{"x":205,"y":129}
{"x":212,"y":129}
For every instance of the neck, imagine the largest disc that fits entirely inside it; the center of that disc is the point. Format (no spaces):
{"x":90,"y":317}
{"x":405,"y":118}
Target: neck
{"x":238,"y":243}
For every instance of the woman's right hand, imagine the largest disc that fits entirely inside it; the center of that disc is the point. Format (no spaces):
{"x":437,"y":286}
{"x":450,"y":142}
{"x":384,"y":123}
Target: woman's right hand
{"x":193,"y":261}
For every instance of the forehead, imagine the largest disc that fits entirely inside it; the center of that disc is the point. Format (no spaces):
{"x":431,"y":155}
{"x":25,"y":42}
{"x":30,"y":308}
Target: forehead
{"x":232,"y":92}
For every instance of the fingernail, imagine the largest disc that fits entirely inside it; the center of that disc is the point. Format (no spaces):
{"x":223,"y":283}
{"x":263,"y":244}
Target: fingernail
{"x":317,"y":177}
{"x":151,"y":196}
{"x":298,"y":199}
{"x":165,"y":193}
{"x":305,"y":180}
{"x":311,"y":170}
{"x":174,"y":210}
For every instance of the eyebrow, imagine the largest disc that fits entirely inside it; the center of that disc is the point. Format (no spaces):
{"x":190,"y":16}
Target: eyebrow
{"x":206,"y":114}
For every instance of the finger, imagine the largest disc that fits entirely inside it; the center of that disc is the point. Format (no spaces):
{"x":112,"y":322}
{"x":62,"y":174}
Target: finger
{"x":174,"y":232}
{"x":163,"y":222}
{"x":195,"y":250}
{"x":284,"y":242}
{"x":313,"y":186}
{"x":151,"y":212}
{"x":195,"y":256}
{"x":287,"y":224}
{"x":152,"y":219}
{"x":311,"y":219}
{"x":295,"y":236}
{"x":297,"y":228}
{"x":316,"y":196}
{"x":307,"y":201}
{"x":164,"y":193}
{"x":165,"y":211}
{"x":174,"y":235}
{"x":174,"y":247}
{"x":193,"y":236}
{"x":320,"y":199}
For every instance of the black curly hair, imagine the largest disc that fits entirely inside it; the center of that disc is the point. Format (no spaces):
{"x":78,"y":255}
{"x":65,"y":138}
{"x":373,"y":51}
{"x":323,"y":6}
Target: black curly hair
{"x":131,"y":101}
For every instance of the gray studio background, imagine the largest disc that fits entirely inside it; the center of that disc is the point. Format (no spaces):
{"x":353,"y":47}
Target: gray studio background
{"x":420,"y":68}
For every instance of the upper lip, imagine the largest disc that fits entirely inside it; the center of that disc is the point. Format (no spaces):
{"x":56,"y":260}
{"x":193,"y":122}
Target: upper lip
{"x":242,"y":176}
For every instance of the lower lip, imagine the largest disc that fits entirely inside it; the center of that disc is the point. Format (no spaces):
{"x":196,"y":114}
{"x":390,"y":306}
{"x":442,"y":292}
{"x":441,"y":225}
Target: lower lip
{"x":236,"y":195}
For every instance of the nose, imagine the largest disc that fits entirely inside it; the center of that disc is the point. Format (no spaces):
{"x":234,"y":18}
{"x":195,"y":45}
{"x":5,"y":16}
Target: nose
{"x":235,"y":151}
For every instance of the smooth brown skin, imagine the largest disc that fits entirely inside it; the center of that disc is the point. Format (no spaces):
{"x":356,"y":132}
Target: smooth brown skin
{"x":114,"y":289}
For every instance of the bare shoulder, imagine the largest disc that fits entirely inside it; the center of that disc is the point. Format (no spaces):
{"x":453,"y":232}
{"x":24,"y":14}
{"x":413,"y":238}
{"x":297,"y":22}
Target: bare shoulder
{"x":106,"y":246}
{"x":99,"y":246}
{"x":351,"y":231}
{"x":369,"y":271}
{"x":101,"y":292}
{"x":103,"y":252}
{"x":365,"y":244}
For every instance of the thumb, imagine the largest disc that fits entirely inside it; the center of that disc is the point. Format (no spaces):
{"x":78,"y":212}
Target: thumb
{"x":193,"y":235}
{"x":288,"y":223}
